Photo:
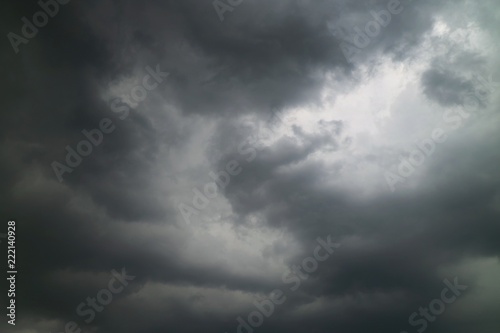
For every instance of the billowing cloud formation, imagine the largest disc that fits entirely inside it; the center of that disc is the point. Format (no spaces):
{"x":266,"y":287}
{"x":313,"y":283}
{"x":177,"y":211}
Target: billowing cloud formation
{"x":214,"y":161}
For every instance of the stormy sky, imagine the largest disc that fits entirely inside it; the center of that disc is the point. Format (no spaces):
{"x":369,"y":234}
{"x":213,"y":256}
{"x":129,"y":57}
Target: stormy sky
{"x":215,"y":150}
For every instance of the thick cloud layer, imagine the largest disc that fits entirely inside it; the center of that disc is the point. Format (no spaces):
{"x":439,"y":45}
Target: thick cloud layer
{"x":227,"y":148}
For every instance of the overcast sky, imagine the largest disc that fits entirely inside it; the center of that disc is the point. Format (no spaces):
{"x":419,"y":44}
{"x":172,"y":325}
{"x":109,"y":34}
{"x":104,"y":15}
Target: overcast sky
{"x":370,"y":124}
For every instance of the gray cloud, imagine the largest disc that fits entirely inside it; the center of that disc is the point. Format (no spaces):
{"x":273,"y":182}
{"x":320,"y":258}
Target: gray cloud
{"x":317,"y":172}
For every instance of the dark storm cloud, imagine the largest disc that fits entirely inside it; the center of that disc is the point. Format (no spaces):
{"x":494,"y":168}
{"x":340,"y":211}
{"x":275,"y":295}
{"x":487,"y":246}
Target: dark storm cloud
{"x":445,"y":88}
{"x":113,"y":212}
